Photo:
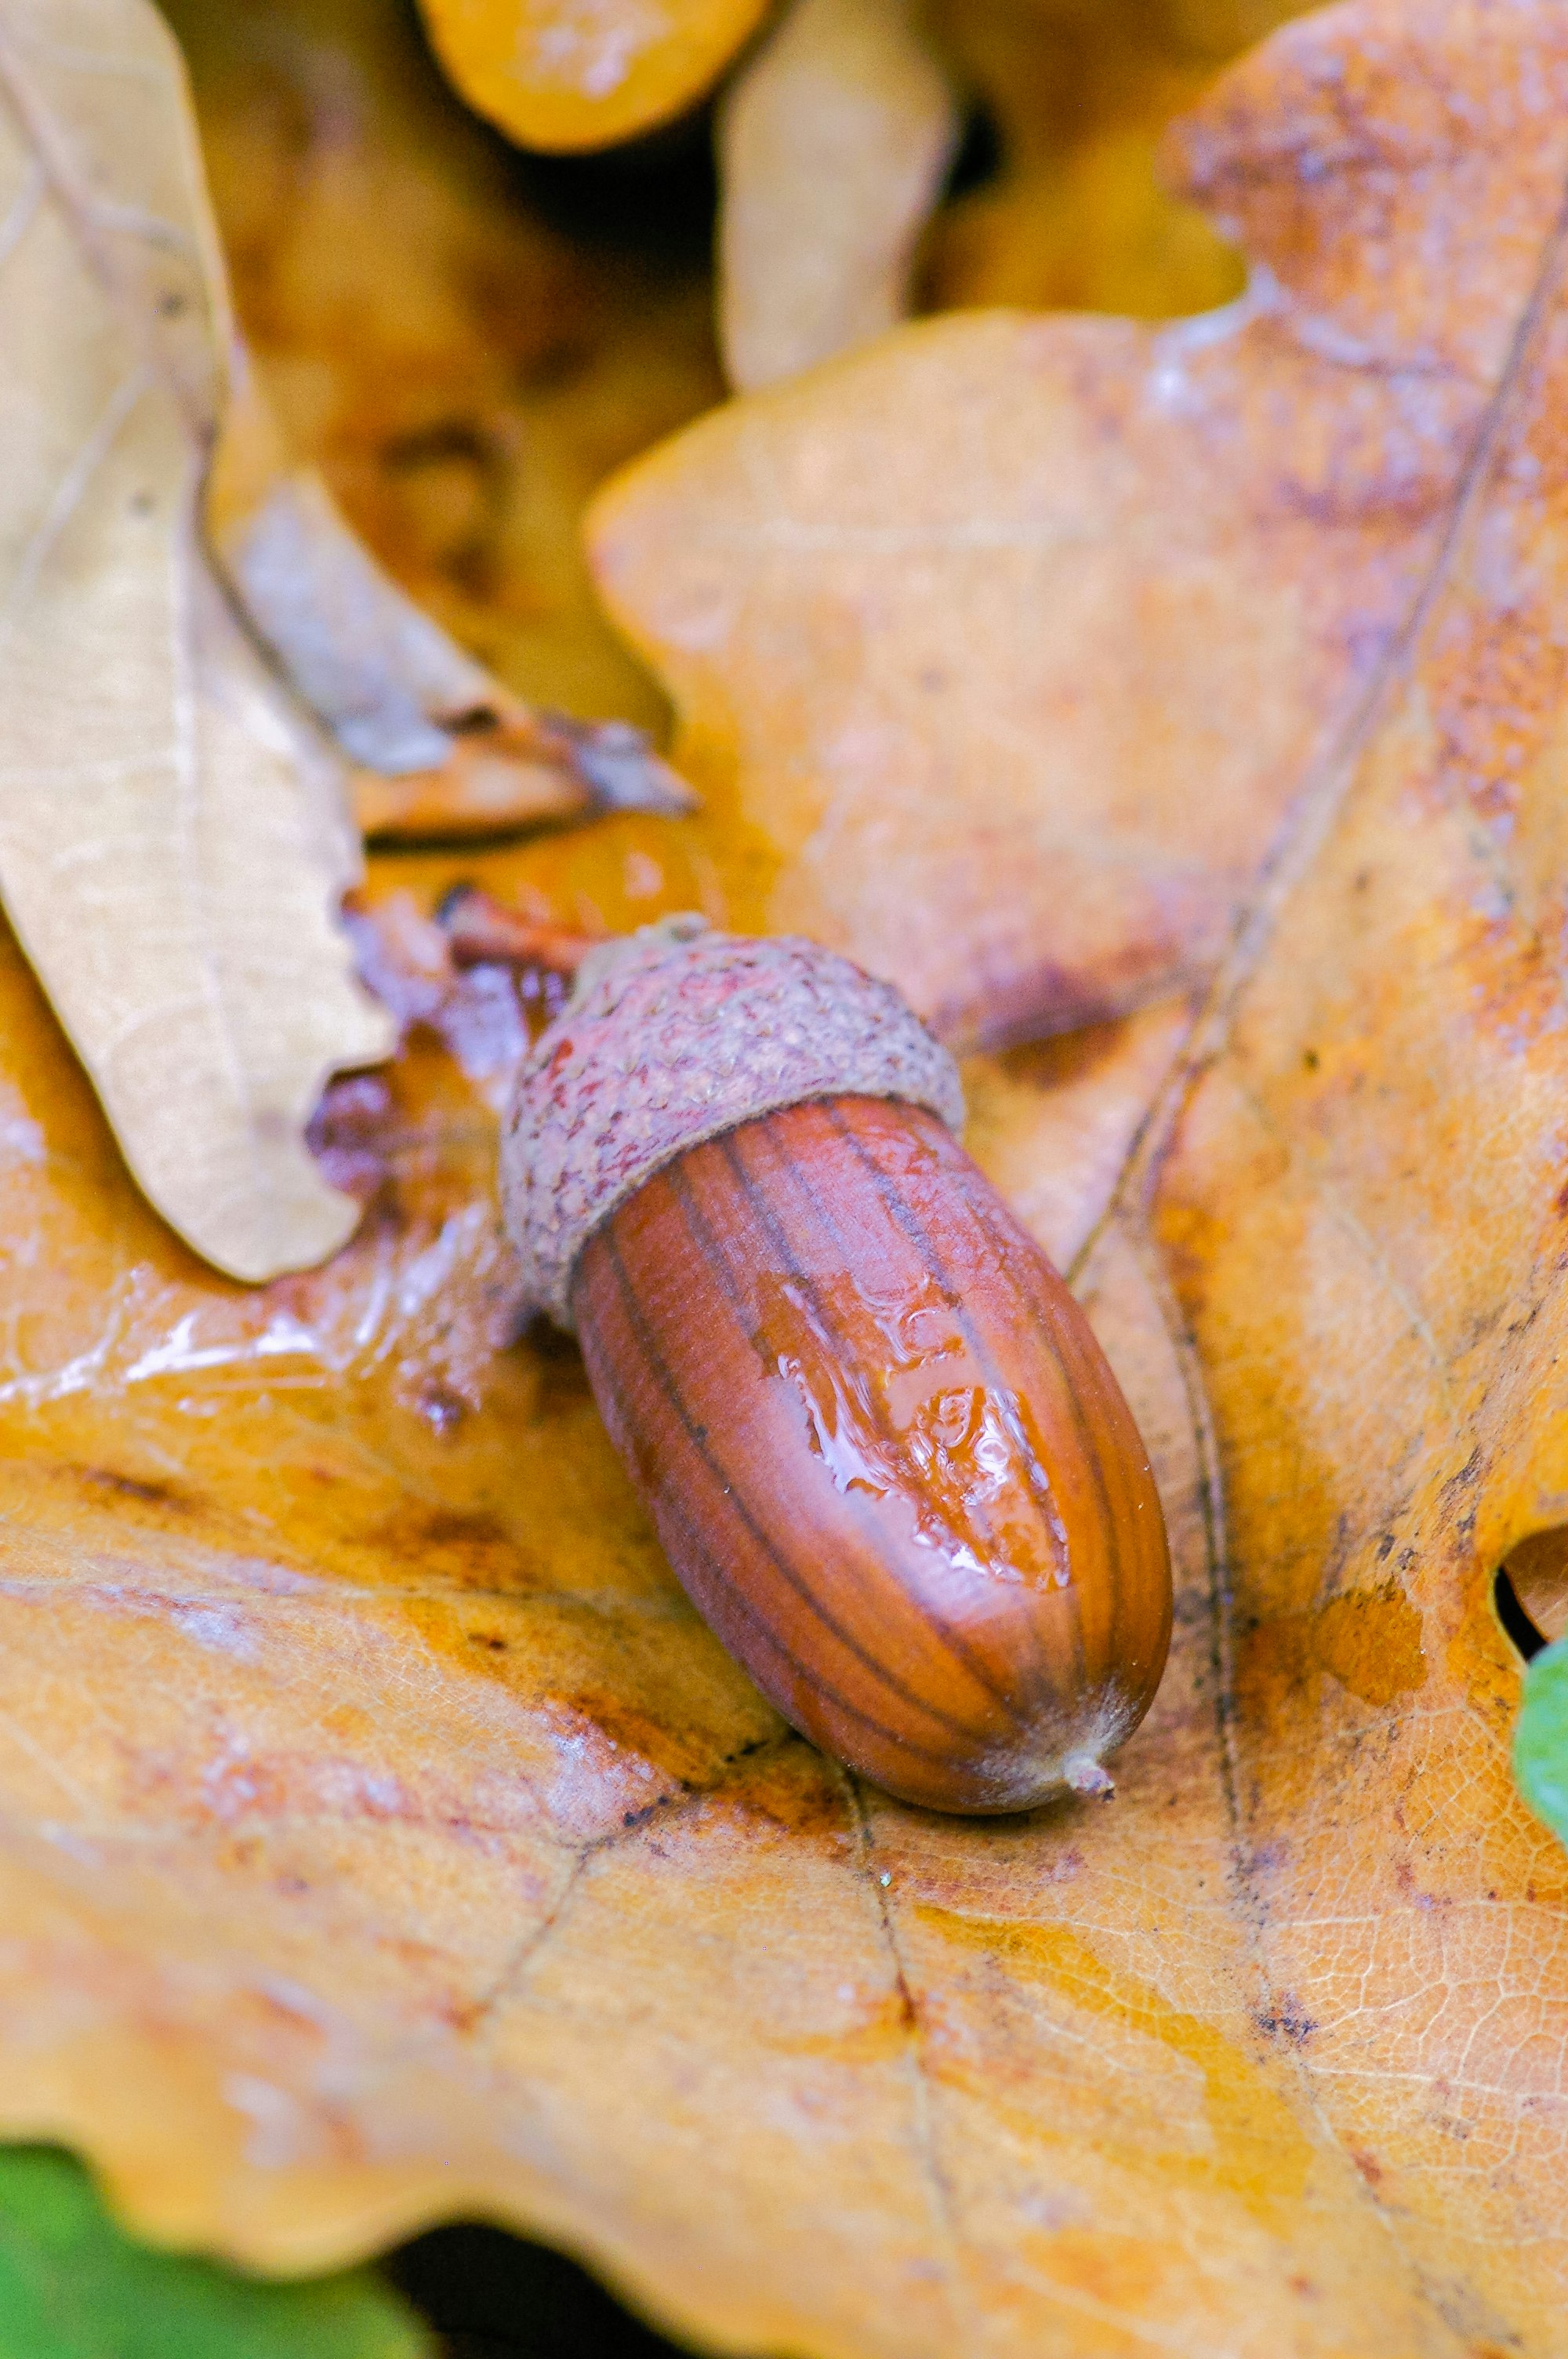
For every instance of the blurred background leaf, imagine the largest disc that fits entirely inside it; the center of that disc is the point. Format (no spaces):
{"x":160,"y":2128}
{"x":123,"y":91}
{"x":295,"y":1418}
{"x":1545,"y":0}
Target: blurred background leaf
{"x":74,"y":2287}
{"x":1541,"y":1743}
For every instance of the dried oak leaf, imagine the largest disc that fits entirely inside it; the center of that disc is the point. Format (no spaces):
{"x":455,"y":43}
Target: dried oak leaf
{"x":172,"y":843}
{"x":586,"y":73}
{"x":381,"y":1836}
{"x":1016,"y":637}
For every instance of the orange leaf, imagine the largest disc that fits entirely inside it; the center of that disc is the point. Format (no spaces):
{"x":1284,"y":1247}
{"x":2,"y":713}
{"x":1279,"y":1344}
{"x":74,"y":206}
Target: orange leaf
{"x":380,"y":1834}
{"x":1018,"y":636}
{"x":584,"y":73}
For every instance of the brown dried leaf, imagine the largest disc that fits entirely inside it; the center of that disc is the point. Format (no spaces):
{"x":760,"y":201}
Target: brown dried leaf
{"x":172,"y":848}
{"x":1016,"y":637}
{"x":833,"y":142}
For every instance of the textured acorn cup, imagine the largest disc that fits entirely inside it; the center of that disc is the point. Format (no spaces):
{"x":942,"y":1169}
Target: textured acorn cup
{"x":880,"y":1444}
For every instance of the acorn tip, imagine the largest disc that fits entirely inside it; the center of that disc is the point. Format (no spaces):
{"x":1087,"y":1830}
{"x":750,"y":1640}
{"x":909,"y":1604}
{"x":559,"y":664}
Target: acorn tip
{"x":1083,"y":1774}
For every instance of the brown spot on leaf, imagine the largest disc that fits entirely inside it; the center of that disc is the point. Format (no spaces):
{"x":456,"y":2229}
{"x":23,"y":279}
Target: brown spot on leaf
{"x":144,"y":1491}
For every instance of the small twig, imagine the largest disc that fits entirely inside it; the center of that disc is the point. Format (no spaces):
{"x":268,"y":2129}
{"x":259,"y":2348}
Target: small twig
{"x":616,"y":764}
{"x":510,"y":769}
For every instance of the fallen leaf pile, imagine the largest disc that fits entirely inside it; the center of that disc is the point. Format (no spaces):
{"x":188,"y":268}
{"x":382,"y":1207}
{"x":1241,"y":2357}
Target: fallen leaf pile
{"x":1176,"y":712}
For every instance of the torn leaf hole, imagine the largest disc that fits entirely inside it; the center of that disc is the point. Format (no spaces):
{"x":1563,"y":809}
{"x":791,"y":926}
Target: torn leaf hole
{"x":1531,"y":1591}
{"x":1527,"y":1639}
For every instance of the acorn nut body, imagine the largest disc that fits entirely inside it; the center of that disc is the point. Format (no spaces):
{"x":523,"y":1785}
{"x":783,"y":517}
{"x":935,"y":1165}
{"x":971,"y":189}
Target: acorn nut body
{"x":879,"y":1443}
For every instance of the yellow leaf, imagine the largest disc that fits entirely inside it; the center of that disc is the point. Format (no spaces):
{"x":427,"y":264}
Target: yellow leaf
{"x":584,"y":74}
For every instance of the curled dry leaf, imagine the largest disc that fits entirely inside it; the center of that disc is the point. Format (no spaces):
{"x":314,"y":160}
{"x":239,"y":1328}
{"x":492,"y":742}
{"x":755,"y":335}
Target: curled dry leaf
{"x":586,"y":73}
{"x":483,"y":931}
{"x":833,"y":142}
{"x":172,"y":847}
{"x":1016,"y":637}
{"x":443,"y":749}
{"x":380,"y":1834}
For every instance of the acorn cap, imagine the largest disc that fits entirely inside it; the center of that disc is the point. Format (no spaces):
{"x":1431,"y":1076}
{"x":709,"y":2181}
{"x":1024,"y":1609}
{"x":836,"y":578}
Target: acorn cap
{"x":673,"y":1035}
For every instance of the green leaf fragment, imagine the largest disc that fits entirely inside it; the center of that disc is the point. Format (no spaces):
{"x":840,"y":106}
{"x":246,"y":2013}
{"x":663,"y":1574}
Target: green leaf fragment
{"x":73,"y":2285}
{"x":1541,"y":1743}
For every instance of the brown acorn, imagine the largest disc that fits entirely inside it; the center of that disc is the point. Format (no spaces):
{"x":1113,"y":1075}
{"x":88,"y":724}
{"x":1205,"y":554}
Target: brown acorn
{"x":879,"y":1443}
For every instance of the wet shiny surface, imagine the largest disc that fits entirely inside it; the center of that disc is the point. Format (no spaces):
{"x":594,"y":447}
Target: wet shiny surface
{"x":883,"y":1451}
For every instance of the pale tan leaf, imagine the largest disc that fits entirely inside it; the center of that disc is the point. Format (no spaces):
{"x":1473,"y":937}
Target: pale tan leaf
{"x":833,"y":143}
{"x":172,"y":849}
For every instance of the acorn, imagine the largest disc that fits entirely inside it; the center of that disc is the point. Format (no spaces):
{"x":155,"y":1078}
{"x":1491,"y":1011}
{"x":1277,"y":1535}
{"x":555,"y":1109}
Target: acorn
{"x":879,"y":1441}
